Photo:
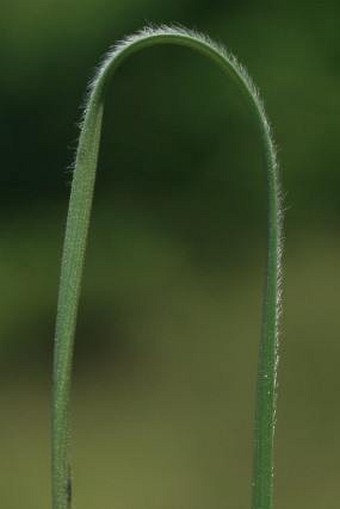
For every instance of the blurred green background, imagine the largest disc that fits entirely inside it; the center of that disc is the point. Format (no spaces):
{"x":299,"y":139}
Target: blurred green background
{"x":166,"y":347}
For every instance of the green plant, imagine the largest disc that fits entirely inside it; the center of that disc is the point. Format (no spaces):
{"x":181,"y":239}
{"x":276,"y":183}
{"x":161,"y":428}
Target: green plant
{"x":74,"y":253}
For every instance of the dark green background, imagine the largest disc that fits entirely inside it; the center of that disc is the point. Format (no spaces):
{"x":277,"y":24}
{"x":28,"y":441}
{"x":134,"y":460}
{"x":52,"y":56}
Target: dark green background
{"x":170,"y":316}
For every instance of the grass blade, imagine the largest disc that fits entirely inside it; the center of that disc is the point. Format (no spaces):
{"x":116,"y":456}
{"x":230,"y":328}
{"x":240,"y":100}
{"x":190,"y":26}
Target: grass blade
{"x":74,"y":253}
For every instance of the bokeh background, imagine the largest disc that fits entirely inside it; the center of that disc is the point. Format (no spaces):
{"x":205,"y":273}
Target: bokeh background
{"x":166,"y":347}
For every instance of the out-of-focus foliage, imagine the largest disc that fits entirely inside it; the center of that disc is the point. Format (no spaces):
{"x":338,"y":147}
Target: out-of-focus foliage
{"x":165,"y":360}
{"x":169,"y":98}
